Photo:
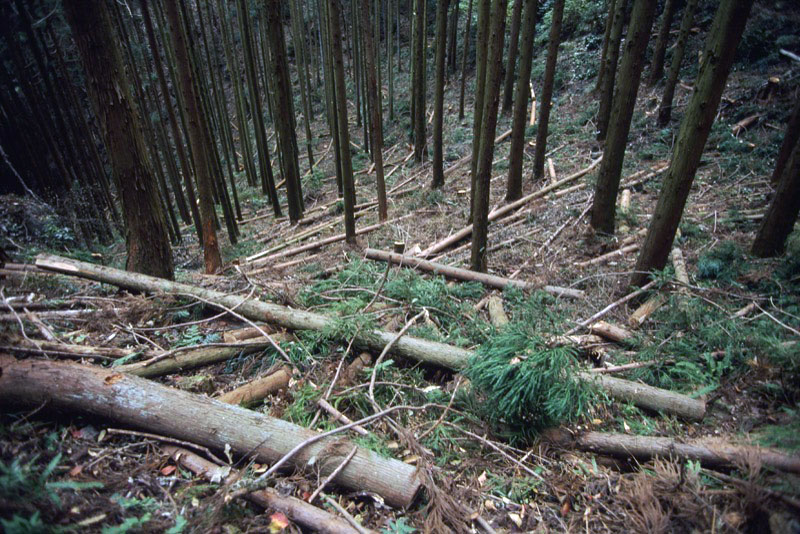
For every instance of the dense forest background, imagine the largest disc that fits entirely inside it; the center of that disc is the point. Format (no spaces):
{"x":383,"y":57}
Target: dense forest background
{"x":594,"y":320}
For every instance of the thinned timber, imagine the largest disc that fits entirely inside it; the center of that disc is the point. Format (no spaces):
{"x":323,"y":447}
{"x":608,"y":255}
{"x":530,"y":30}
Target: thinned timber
{"x":142,"y":403}
{"x":407,"y":346}
{"x":465,"y":274}
{"x":709,"y":453}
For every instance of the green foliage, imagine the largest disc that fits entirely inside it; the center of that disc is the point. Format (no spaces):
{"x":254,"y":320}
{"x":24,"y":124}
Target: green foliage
{"x":398,"y":526}
{"x":301,"y":410}
{"x":193,"y":336}
{"x":518,"y":489}
{"x":724,"y":263}
{"x":528,"y":385}
{"x":785,"y":436}
{"x":27,"y":525}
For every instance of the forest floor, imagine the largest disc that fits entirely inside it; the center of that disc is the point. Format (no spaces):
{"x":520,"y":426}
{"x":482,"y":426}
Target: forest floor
{"x":729,"y":337}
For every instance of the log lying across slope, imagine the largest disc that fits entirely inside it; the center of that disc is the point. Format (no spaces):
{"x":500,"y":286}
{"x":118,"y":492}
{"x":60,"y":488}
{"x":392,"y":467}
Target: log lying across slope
{"x":171,"y":412}
{"x":465,"y":274}
{"x":410,"y":347}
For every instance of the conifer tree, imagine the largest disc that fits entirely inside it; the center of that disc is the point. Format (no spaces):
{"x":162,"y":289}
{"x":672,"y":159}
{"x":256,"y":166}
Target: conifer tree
{"x":438,"y":94}
{"x":665,"y":108}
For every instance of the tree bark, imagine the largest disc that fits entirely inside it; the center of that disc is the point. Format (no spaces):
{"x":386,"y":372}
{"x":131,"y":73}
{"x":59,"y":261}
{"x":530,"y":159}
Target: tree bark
{"x":511,"y":63}
{"x":782,"y":214}
{"x":284,"y":112}
{"x":606,"y":39}
{"x":665,"y":108}
{"x":605,"y":196}
{"x":197,"y":139}
{"x":547,"y":90}
{"x":491,"y":97}
{"x":258,"y":389}
{"x":452,"y":40}
{"x":410,"y":347}
{"x":726,"y":30}
{"x":609,"y":67}
{"x":660,"y":50}
{"x":146,"y":404}
{"x":643,"y":448}
{"x":418,"y":115}
{"x":517,"y":150}
{"x":147,"y":237}
{"x":467,"y":26}
{"x":789,"y":140}
{"x":438,"y":93}
{"x":481,"y":50}
{"x":489,"y":280}
{"x":375,"y":119}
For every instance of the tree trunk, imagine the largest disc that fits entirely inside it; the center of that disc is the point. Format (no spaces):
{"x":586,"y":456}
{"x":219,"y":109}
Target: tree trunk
{"x":410,"y":347}
{"x":438,"y":93}
{"x":491,"y":97}
{"x":191,"y":104}
{"x":342,"y":126}
{"x":481,"y":50}
{"x":605,"y":197}
{"x":265,"y":168}
{"x":376,"y":124}
{"x":660,"y":50}
{"x":782,"y":214}
{"x":147,"y":237}
{"x":718,"y":54}
{"x":452,"y":40}
{"x":665,"y":108}
{"x":390,"y":54}
{"x":284,"y":112}
{"x":517,"y":150}
{"x":145,"y":404}
{"x":610,"y":69}
{"x":418,"y":117}
{"x":606,"y":39}
{"x":547,"y":90}
{"x":464,"y":55}
{"x":789,"y":140}
{"x":643,"y":448}
{"x":513,"y":42}
{"x":299,"y":42}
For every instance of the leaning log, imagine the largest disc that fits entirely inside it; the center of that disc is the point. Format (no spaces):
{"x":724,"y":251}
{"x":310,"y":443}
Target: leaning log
{"x":465,"y":274}
{"x":297,"y":510}
{"x":407,"y":346}
{"x":643,"y":448}
{"x":145,"y":404}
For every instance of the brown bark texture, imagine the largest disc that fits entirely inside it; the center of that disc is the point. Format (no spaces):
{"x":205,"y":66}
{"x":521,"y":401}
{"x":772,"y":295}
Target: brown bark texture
{"x":147,"y":238}
{"x":145,"y":404}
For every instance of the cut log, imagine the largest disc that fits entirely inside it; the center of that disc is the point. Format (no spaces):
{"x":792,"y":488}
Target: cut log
{"x":647,"y":309}
{"x":497,"y":315}
{"x":56,"y":315}
{"x":141,"y":403}
{"x":642,"y":448}
{"x":257,"y":389}
{"x":410,"y":347}
{"x":681,"y":274}
{"x":609,"y":255}
{"x":295,"y":509}
{"x":244,"y":334}
{"x":502,"y":210}
{"x":744,"y":124}
{"x":611,"y":331}
{"x":465,"y":274}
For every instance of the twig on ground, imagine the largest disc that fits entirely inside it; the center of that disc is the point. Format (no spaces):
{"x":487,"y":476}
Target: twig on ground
{"x":165,"y":439}
{"x":333,"y":474}
{"x":605,"y":311}
{"x":349,"y":518}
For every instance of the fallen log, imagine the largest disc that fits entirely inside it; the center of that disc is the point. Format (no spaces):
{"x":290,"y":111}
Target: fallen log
{"x":465,"y":274}
{"x":610,"y":331}
{"x":497,"y":315}
{"x":257,"y":389}
{"x":643,"y":448}
{"x":407,"y":346}
{"x":55,"y":315}
{"x":295,"y":509}
{"x":502,"y":210}
{"x":608,"y":256}
{"x":148,"y":405}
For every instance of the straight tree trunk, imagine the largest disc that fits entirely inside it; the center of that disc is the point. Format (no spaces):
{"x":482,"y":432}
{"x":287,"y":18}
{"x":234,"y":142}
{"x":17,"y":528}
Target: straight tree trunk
{"x":789,"y":140}
{"x":782,"y":214}
{"x":376,"y":124}
{"x":665,"y":108}
{"x":191,"y":104}
{"x":438,"y":93}
{"x":142,"y":403}
{"x":606,"y":40}
{"x":660,"y":50}
{"x":480,"y":208}
{"x":481,"y":63}
{"x":610,"y":69}
{"x":464,"y":55}
{"x":547,"y":90}
{"x":517,"y":150}
{"x":147,"y":236}
{"x":265,"y":168}
{"x":718,"y":54}
{"x":418,"y":117}
{"x":299,"y":41}
{"x":334,"y":12}
{"x":452,"y":40}
{"x":513,"y":42}
{"x":390,"y":54}
{"x":605,"y":196}
{"x":284,"y":110}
